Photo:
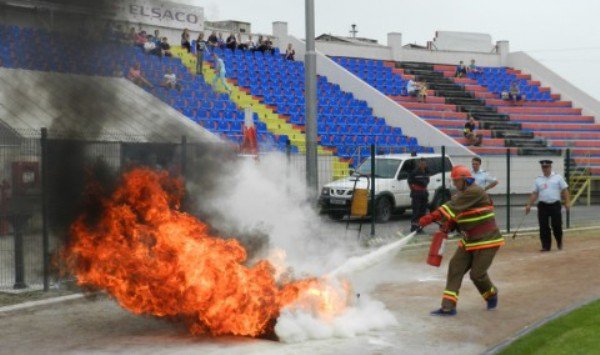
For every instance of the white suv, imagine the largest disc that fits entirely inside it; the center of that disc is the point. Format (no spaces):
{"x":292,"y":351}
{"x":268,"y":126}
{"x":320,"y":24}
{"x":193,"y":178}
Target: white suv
{"x":391,"y":186}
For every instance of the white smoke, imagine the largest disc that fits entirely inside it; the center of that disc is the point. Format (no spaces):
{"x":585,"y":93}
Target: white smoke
{"x":264,"y":195}
{"x":367,"y":314}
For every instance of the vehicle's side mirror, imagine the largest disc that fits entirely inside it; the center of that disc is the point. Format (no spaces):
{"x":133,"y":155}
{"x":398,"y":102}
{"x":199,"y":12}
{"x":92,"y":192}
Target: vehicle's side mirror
{"x":402,"y":175}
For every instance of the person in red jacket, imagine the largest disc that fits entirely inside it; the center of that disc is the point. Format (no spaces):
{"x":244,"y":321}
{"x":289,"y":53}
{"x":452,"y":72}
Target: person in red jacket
{"x":471,"y":212}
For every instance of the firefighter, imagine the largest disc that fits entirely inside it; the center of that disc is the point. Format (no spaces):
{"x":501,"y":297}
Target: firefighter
{"x":471,"y":212}
{"x":418,"y":180}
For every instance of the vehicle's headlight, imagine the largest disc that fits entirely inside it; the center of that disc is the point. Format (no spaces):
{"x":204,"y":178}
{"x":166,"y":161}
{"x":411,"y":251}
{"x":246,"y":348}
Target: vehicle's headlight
{"x":325,"y":191}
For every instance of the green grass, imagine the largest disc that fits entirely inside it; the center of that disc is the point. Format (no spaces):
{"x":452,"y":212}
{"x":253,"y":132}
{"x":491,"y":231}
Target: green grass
{"x":575,"y":333}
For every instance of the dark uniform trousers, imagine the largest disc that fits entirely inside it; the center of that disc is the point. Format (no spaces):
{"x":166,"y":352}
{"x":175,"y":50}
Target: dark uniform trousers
{"x":549,"y":215}
{"x":419,"y":207}
{"x":478,"y":262}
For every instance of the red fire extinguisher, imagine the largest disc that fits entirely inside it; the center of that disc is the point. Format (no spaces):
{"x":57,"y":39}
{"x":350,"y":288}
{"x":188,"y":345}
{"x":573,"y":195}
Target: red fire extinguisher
{"x":436,"y":249}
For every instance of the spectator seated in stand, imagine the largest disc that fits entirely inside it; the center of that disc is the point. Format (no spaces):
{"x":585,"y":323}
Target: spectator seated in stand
{"x":461,"y":70}
{"x":185,"y":40}
{"x":422,"y":96}
{"x":213,"y":40}
{"x":290,"y":52}
{"x":170,"y":80}
{"x":135,"y":75}
{"x":241,"y":45}
{"x":141,"y":39}
{"x":514,"y":94}
{"x":150,"y":45}
{"x":231,"y":42}
{"x":264,"y":45}
{"x":473,"y":68}
{"x":412,"y":88}
{"x":472,"y":137}
{"x":165,"y":48}
{"x":220,"y":41}
{"x":250,"y":45}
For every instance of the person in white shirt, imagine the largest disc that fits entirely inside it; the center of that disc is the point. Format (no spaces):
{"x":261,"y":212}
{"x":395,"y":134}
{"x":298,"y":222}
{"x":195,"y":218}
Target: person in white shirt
{"x":220,"y":73}
{"x":548,"y":189}
{"x":412,"y":88}
{"x":482,"y":177}
{"x":170,"y":80}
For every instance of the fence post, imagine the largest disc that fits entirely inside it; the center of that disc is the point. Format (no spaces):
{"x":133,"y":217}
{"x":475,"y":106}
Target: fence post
{"x":508,"y":190}
{"x":45,"y":236}
{"x":373,"y":212}
{"x":568,"y":177}
{"x":183,"y":155}
{"x":444,"y":170}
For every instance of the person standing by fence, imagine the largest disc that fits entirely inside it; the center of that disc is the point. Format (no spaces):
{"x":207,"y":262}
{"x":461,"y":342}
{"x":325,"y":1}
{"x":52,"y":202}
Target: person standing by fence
{"x":482,"y":177}
{"x":418,"y":180}
{"x":548,"y":189}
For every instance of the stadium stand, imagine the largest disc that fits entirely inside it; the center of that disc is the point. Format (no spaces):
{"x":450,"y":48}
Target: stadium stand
{"x":540,"y":124}
{"x":40,"y":50}
{"x":344,"y":124}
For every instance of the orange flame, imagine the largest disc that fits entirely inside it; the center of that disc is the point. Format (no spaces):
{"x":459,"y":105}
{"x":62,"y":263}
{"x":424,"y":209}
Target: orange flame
{"x":157,"y":260}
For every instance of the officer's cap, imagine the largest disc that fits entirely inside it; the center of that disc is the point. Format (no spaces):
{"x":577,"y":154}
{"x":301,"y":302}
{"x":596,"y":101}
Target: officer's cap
{"x":546,"y":162}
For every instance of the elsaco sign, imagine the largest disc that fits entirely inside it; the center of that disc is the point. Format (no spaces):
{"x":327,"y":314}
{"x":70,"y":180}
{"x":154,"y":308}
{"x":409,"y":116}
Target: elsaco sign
{"x":161,"y":13}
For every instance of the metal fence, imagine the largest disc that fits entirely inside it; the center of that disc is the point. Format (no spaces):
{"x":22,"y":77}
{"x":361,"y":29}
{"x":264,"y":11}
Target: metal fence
{"x":44,"y":175}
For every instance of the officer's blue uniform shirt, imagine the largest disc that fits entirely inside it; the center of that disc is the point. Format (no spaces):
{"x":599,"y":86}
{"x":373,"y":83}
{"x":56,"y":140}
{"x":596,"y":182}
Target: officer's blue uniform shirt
{"x":483,"y":178}
{"x":549,"y":188}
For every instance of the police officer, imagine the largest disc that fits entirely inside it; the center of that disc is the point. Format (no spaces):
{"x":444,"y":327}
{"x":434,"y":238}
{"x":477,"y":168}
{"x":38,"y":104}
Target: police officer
{"x":418,"y":180}
{"x":482,"y":177}
{"x":548,"y":190}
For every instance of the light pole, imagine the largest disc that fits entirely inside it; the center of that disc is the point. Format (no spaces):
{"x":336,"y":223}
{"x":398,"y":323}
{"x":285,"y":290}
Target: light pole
{"x":310,"y":61}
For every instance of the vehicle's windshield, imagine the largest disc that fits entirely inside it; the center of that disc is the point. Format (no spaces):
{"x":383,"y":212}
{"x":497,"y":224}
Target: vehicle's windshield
{"x":384,"y":168}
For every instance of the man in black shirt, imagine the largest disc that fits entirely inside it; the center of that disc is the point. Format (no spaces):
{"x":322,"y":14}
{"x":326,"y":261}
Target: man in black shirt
{"x":418,"y":180}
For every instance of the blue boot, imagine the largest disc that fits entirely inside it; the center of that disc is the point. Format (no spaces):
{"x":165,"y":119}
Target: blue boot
{"x":492,"y":302}
{"x":444,"y":312}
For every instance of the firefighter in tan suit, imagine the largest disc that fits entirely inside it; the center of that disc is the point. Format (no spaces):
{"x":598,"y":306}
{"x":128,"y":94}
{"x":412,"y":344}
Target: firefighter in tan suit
{"x":471,"y":212}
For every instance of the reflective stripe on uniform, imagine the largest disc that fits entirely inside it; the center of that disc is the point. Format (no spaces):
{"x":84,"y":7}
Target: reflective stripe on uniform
{"x":490,"y":293}
{"x":476,"y":219}
{"x":452,"y":296}
{"x":482,"y":245}
{"x":475,"y":211}
{"x":449,"y":210}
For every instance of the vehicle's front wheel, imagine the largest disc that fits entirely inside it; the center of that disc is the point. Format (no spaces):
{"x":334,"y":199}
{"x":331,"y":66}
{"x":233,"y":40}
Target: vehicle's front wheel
{"x":383,"y":209}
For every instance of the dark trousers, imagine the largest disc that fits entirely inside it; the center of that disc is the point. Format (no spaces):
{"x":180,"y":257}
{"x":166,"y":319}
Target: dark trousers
{"x":549,"y":215}
{"x":199,"y":62}
{"x":419,"y":208}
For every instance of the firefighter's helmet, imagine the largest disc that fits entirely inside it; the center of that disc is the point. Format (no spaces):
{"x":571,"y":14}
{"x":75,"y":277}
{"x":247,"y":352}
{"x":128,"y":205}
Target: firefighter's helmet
{"x":460,"y":172}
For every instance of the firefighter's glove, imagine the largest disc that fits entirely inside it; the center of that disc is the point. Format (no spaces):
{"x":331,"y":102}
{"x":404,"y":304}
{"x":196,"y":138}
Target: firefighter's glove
{"x":447,"y":227}
{"x":430,"y":218}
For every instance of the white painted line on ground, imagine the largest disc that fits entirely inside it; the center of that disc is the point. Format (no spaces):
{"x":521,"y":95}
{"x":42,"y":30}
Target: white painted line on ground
{"x":40,"y":303}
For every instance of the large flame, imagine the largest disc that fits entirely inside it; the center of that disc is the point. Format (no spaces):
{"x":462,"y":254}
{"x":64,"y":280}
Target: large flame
{"x":157,"y":260}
